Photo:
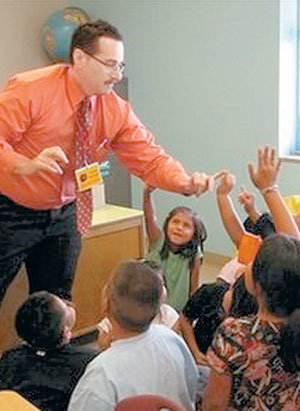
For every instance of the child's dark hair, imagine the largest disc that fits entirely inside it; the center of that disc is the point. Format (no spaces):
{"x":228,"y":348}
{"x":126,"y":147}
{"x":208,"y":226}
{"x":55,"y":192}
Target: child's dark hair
{"x":277,"y":269}
{"x":40,"y":321}
{"x":190,"y":249}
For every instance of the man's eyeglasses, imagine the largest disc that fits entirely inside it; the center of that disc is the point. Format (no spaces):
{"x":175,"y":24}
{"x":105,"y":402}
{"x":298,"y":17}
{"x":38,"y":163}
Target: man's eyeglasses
{"x":111,"y":66}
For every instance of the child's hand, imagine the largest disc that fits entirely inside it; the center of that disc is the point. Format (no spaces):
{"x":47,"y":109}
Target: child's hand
{"x":226,"y":184}
{"x":267,"y":170}
{"x":247,"y":199}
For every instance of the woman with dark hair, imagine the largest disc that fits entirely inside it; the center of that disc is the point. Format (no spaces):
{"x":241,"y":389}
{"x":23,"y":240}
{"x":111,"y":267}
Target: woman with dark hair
{"x":255,"y":360}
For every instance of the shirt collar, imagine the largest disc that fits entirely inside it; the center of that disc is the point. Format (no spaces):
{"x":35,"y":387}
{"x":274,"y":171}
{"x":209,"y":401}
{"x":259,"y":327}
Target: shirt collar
{"x":74,"y":90}
{"x":134,"y":339}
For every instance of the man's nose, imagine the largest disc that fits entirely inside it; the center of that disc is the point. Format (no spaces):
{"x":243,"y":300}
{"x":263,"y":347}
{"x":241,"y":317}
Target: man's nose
{"x":116,"y":76}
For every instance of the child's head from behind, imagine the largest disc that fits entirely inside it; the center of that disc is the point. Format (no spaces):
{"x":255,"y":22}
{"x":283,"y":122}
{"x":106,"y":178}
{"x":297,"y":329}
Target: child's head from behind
{"x":183,"y":226}
{"x":276,"y":269}
{"x":135,"y":294}
{"x":44,"y":320}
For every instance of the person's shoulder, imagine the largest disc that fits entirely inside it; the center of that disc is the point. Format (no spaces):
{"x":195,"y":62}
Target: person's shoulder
{"x":167,"y":316}
{"x":11,"y":352}
{"x":164,"y":332}
{"x":13,"y":357}
{"x":38,"y":75}
{"x":80,"y":350}
{"x":169,"y":311}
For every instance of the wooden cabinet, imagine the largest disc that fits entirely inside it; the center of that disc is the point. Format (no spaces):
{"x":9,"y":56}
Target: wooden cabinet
{"x":117,"y":234}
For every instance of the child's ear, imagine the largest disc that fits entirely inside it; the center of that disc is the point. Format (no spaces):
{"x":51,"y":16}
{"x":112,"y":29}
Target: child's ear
{"x":67,"y":333}
{"x":104,"y":304}
{"x":163,"y":295}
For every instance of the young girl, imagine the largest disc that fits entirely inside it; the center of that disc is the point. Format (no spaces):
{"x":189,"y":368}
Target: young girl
{"x":178,"y":248}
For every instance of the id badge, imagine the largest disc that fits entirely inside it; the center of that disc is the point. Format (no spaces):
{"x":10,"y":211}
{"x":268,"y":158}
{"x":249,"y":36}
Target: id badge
{"x":88,"y":176}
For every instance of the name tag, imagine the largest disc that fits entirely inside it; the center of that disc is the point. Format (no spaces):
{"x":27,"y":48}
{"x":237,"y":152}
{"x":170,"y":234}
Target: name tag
{"x":88,"y":176}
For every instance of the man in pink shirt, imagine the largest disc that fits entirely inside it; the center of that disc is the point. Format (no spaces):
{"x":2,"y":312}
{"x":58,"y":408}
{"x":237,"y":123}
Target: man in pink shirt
{"x":37,"y":156}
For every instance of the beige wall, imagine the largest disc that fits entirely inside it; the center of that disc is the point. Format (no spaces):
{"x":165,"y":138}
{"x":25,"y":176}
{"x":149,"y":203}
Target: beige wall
{"x":21,"y":22}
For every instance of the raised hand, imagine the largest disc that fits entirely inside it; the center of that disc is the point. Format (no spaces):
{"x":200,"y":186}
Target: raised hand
{"x":265,"y":175}
{"x":247,"y":199}
{"x":226,"y":184}
{"x":49,"y":160}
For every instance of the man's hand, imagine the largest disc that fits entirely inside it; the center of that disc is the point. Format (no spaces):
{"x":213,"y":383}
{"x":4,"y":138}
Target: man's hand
{"x":201,"y":182}
{"x":267,"y":170}
{"x":49,"y":160}
{"x":226,"y":184}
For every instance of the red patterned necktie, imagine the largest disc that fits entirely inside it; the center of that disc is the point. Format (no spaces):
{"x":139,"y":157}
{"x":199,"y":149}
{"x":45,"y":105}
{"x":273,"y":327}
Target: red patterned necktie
{"x":84,"y":202}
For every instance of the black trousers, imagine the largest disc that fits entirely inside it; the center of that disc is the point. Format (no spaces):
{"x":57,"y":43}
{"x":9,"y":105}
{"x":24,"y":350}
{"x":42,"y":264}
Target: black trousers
{"x":45,"y":240}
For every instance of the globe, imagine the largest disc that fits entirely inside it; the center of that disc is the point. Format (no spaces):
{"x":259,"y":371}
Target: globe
{"x":58,"y":30}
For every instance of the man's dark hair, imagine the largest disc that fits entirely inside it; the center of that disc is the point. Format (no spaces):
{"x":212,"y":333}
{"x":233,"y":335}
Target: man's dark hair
{"x":135,"y":293}
{"x":40,"y":321}
{"x":86,"y":35}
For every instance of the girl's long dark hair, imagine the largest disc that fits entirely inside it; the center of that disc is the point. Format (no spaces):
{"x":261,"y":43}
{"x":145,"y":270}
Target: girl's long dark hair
{"x":190,"y":249}
{"x":277,"y":269}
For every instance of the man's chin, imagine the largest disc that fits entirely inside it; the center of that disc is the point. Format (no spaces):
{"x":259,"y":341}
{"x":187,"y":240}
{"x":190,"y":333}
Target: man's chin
{"x":105,"y":90}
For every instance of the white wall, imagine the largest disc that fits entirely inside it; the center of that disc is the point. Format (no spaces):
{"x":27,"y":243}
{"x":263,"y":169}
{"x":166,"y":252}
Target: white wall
{"x":21,"y":22}
{"x":203,"y":75}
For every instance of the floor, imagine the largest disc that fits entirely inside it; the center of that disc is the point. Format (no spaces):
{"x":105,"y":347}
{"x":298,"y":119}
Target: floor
{"x":212,"y":263}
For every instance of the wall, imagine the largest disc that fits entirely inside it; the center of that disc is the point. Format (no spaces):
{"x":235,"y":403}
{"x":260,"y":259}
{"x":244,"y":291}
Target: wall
{"x":203,"y":75}
{"x":21,"y":22}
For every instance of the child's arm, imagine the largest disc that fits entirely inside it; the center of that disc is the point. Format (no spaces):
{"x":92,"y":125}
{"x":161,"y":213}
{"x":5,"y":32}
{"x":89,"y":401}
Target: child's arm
{"x":195,"y":275}
{"x":247,"y":200}
{"x":229,"y":216}
{"x":189,"y":336}
{"x":152,"y":226}
{"x":297,"y":219}
{"x":265,"y":179}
